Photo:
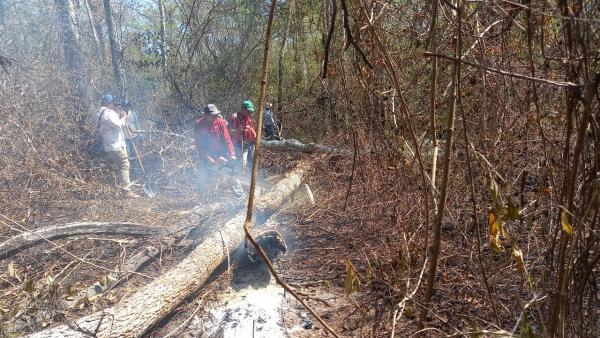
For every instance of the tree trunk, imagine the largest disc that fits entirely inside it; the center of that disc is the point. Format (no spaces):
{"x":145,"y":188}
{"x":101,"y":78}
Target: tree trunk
{"x":295,"y":145}
{"x":73,"y":56}
{"x":297,"y":48}
{"x":2,"y":15}
{"x":27,"y":239}
{"x":303,"y":48}
{"x":163,"y":40}
{"x":99,"y":24}
{"x":115,"y":50}
{"x":439,"y":216}
{"x":324,"y":22}
{"x":281,"y":63}
{"x":137,"y":313}
{"x":99,"y":52}
{"x":73,"y":18}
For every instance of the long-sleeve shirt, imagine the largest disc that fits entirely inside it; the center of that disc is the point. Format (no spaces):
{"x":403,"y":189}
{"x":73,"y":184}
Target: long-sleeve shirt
{"x":268,"y":118}
{"x":242,"y":128}
{"x":110,"y":127}
{"x":212,"y":138}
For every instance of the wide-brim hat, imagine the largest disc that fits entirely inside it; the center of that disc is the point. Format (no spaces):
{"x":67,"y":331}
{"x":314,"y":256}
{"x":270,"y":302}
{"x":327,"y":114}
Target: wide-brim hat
{"x":211,"y":109}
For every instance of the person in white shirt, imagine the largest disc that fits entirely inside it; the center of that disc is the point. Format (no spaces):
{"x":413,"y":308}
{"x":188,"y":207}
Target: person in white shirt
{"x":110,"y":123}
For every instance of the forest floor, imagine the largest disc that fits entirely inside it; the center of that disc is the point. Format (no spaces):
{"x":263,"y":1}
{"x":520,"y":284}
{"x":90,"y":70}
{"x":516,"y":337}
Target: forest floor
{"x":45,"y":285}
{"x":243,"y":299}
{"x":240,"y":300}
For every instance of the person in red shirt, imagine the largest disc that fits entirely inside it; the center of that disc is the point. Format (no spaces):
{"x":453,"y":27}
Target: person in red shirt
{"x":214,"y":148}
{"x":243,"y":134}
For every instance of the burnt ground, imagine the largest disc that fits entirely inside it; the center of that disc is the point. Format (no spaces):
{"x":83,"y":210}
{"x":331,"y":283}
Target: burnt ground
{"x":38,"y":284}
{"x":245,"y":298}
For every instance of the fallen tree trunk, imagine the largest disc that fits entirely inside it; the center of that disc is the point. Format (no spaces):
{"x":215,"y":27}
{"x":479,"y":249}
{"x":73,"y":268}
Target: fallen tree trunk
{"x":199,"y":213}
{"x":280,"y":145}
{"x":140,"y":258}
{"x":295,"y":145}
{"x":292,"y":145}
{"x":275,"y":145}
{"x":133,"y":316}
{"x":29,"y":238}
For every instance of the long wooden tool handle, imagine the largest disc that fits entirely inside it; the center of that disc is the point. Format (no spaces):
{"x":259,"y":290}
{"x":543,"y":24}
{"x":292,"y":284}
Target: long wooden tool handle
{"x":137,"y":155}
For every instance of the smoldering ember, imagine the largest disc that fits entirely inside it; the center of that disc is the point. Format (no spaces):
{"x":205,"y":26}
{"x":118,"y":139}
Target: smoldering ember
{"x":315,"y":168}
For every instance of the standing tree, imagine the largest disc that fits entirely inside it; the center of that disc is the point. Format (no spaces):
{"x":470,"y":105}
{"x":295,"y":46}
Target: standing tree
{"x":115,"y":50}
{"x":99,"y":51}
{"x":2,"y":13}
{"x":281,"y":62}
{"x":73,"y":18}
{"x":163,"y":44}
{"x":73,"y":57}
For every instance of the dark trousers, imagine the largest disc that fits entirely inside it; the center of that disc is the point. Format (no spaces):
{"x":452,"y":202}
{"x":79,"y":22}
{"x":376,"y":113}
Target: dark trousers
{"x":271,"y":133}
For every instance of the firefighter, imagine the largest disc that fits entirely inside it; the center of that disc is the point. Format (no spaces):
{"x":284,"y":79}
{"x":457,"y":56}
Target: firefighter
{"x":215,"y":149}
{"x":243,"y":134}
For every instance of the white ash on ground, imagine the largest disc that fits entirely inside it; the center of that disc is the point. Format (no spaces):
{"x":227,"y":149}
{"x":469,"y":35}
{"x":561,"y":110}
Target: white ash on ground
{"x":247,"y":313}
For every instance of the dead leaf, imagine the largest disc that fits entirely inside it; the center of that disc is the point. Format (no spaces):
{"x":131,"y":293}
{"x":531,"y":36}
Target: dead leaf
{"x":28,"y":285}
{"x":69,"y":292}
{"x":351,"y":282}
{"x":103,"y":281}
{"x":566,"y":225}
{"x":495,"y":194}
{"x":494,"y":231}
{"x":513,"y":209}
{"x":526,"y":329}
{"x":474,"y":331}
{"x":517,"y":255}
{"x":94,"y":298}
{"x":12,"y":271}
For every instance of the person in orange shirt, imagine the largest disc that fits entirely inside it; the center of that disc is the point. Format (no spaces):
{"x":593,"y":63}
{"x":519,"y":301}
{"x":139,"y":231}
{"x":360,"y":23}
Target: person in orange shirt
{"x":243,"y":134}
{"x":214,"y":147}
